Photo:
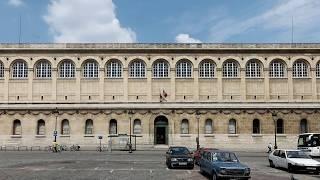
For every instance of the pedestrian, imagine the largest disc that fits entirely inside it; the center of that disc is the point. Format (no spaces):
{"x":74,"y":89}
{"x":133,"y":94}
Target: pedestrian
{"x":269,"y":147}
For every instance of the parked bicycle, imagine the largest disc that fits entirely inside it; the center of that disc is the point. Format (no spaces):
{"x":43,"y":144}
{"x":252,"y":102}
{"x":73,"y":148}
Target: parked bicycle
{"x":75,"y":147}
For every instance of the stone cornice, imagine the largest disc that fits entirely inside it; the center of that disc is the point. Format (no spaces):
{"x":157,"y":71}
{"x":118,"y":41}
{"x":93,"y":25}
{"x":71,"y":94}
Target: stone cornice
{"x":170,"y":106}
{"x":161,"y":48}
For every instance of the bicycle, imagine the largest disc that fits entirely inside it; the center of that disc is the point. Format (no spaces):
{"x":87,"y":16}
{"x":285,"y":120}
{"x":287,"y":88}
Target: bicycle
{"x":75,"y":147}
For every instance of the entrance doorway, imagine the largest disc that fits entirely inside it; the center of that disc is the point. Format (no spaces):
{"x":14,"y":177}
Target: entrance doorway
{"x":161,"y":130}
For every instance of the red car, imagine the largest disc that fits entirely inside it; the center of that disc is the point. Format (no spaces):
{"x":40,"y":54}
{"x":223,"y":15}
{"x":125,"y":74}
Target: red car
{"x":198,"y":153}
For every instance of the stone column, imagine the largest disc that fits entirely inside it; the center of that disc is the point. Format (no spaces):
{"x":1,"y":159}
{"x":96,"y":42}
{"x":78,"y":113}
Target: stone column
{"x":220,"y":88}
{"x":196,"y":84}
{"x":266,"y":84}
{"x":30,"y":84}
{"x":173,"y":84}
{"x":78,"y":85}
{"x":243,"y":87}
{"x":290,"y":85}
{"x":6,"y":84}
{"x":54,"y":84}
{"x":125,"y":84}
{"x":149,"y":84}
{"x":101,"y":84}
{"x":314,"y":84}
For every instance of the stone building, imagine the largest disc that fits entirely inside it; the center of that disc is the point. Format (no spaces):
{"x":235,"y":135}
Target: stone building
{"x":171,"y":93}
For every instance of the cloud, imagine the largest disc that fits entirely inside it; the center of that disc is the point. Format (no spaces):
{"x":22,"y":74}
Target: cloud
{"x":86,"y":21}
{"x":185,"y":38}
{"x":276,"y":22}
{"x":15,"y":3}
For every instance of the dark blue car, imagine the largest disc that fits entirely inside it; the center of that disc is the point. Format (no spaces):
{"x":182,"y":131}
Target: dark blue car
{"x":223,"y":164}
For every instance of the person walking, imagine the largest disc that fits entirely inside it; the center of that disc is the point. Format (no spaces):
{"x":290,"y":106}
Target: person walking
{"x":269,"y":147}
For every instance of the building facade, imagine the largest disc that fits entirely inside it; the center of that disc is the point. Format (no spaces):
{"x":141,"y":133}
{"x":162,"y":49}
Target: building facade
{"x":169,"y":94}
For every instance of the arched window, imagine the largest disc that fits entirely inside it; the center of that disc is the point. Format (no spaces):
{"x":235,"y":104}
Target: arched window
{"x":256,"y":126}
{"x":277,"y":68}
{"x":208,"y":126}
{"x":253,"y":69}
{"x":137,"y":69}
{"x":19,"y":69}
{"x":1,"y":70}
{"x":41,"y":127}
{"x":137,"y":126}
{"x":206,"y":69}
{"x":318,"y":70}
{"x":65,"y":128}
{"x":232,"y":128}
{"x":113,"y":127}
{"x":114,"y":69}
{"x":43,"y":69}
{"x":303,"y":126}
{"x":300,"y":69}
{"x":67,"y":69}
{"x":185,"y":126}
{"x":230,"y":69}
{"x":17,"y":130}
{"x":184,"y":69}
{"x":90,"y":69}
{"x":160,"y":69}
{"x":280,"y":129}
{"x":89,"y":126}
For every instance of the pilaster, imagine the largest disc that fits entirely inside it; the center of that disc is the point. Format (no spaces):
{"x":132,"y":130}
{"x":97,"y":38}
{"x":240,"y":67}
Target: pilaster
{"x":78,"y":84}
{"x":196,"y":84}
{"x":101,"y":84}
{"x":219,"y":79}
{"x":266,"y":84}
{"x":243,"y":84}
{"x":173,"y":84}
{"x":125,"y":84}
{"x":54,"y":84}
{"x":314,"y":84}
{"x":149,"y":84}
{"x":6,"y":84}
{"x":30,"y":84}
{"x":290,"y":85}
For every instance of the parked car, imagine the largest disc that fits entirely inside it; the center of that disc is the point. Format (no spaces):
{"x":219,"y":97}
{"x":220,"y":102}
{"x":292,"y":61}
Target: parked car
{"x":198,"y":153}
{"x":178,"y":156}
{"x":293,"y":160}
{"x":223,"y":164}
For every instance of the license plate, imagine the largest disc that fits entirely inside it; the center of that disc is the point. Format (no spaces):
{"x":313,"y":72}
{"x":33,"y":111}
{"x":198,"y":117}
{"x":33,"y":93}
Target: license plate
{"x":311,"y":168}
{"x":182,"y":163}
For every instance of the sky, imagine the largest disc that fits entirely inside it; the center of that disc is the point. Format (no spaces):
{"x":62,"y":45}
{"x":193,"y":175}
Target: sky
{"x":165,"y":21}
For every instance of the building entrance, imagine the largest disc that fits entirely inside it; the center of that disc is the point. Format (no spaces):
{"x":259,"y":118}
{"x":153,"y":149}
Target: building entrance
{"x":161,"y":130}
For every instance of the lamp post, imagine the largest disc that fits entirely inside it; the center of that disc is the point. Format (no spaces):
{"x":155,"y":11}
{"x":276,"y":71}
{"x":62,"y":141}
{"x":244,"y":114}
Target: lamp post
{"x":198,"y":119}
{"x":55,"y":133}
{"x":274,"y":117}
{"x":130,"y":113}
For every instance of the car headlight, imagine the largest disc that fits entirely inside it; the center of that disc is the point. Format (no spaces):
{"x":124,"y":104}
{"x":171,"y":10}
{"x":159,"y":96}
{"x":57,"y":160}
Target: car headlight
{"x":174,"y":159}
{"x":190,"y":159}
{"x":247,"y":171}
{"x":222,"y":170}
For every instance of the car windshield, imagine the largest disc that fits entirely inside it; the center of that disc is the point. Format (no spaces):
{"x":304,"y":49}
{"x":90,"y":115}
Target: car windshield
{"x":226,"y":157}
{"x":297,"y":154}
{"x":179,"y":150}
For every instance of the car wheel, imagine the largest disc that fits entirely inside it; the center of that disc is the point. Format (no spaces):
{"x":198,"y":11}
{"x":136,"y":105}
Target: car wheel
{"x":290,"y":168}
{"x":214,"y":176}
{"x":271,"y":164}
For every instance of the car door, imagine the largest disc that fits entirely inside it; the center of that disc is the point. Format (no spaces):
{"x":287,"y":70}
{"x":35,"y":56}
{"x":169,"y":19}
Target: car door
{"x":282,"y":159}
{"x":205,"y":161}
{"x":275,"y":158}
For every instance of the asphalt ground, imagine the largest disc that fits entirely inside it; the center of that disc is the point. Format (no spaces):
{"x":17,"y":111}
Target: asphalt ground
{"x":139,"y":165}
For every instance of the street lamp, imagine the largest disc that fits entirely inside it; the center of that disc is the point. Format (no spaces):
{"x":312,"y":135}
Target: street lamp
{"x":198,"y":118}
{"x":130,"y":113}
{"x":55,"y":133}
{"x":274,"y":117}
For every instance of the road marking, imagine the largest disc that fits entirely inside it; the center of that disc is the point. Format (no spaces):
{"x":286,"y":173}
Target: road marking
{"x":111,"y":171}
{"x":167,"y":169}
{"x":150,"y":171}
{"x":189,"y":171}
{"x":60,"y":168}
{"x":96,"y":168}
{"x":131,"y":169}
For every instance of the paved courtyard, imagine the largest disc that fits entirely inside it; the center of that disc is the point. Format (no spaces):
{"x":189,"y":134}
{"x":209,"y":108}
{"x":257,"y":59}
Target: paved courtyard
{"x":118,"y":165}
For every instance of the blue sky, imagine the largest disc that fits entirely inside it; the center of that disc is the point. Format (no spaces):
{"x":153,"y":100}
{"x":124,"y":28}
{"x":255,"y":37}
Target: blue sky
{"x":208,"y":21}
